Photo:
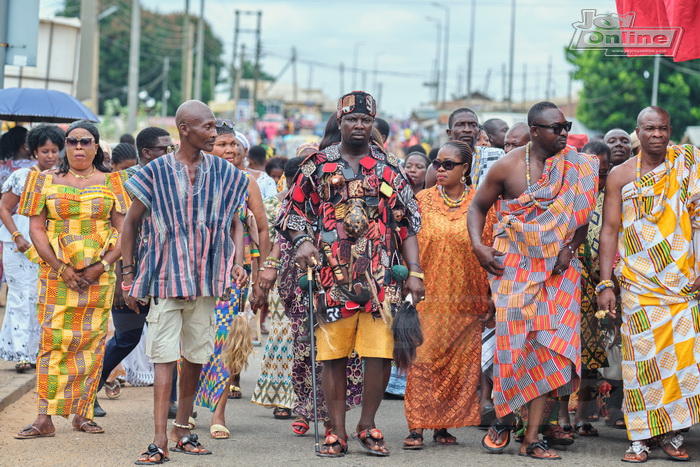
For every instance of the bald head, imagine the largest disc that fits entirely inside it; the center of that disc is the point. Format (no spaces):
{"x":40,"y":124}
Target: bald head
{"x":653,"y":110}
{"x":196,"y":125}
{"x":192,"y":111}
{"x":518,"y":135}
{"x":654,"y":131}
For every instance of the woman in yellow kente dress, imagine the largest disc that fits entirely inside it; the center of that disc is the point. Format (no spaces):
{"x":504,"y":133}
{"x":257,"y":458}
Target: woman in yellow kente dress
{"x":75,"y":215}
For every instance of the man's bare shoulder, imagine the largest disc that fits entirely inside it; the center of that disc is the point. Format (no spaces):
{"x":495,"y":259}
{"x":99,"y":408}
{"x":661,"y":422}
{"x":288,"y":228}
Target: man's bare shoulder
{"x":622,"y":174}
{"x":504,"y":166}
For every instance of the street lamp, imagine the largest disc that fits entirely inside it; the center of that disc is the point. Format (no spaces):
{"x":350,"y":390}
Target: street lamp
{"x":446,"y":49}
{"x":438,"y":40}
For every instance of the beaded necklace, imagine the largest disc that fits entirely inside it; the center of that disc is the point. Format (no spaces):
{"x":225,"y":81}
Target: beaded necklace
{"x":664,"y":195}
{"x":451,"y":203}
{"x":527,"y":176}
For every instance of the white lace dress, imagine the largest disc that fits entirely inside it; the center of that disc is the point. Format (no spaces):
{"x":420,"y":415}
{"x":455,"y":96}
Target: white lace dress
{"x":20,"y":333}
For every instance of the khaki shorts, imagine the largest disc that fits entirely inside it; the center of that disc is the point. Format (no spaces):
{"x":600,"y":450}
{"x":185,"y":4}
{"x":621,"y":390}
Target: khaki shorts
{"x":179,"y":327}
{"x":369,"y":336}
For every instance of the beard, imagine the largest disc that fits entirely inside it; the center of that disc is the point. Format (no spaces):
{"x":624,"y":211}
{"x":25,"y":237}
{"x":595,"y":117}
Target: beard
{"x":358,"y":143}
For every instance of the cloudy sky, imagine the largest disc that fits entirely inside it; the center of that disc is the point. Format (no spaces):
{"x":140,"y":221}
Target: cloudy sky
{"x":398,"y":37}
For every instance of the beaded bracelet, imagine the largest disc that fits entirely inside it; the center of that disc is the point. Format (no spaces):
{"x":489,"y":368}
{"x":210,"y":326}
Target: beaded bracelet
{"x":271,"y":265}
{"x":301,"y":239}
{"x":16,"y":234}
{"x":126,"y":288}
{"x":61,"y":269}
{"x":127,"y":273}
{"x":602,"y":285}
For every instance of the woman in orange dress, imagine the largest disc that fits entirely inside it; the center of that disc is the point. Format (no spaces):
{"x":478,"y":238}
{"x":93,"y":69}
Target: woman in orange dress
{"x":441,"y":390}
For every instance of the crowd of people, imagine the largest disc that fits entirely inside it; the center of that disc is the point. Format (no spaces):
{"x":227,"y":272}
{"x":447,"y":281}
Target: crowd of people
{"x":548,"y":272}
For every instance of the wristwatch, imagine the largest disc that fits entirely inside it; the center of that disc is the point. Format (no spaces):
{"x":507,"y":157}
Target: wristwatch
{"x":106,"y":265}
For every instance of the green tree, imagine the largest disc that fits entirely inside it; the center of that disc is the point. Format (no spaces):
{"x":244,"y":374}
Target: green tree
{"x":616,"y":88}
{"x":161,"y":36}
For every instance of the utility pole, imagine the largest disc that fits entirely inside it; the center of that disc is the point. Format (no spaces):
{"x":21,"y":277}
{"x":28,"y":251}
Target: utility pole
{"x":548,"y":93}
{"x":88,"y":32}
{"x":342,"y":79}
{"x":134,"y":49}
{"x":4,"y":14}
{"x":524,"y":83}
{"x":503,"y":80}
{"x":487,"y":81}
{"x":446,"y":49}
{"x":655,"y":82}
{"x":186,"y":82}
{"x":212,"y":80}
{"x":258,"y":50}
{"x":511,"y":69}
{"x":295,"y":84}
{"x":239,"y":77}
{"x":165,"y":92}
{"x":199,"y":67}
{"x":233,"y":57}
{"x":470,"y":59}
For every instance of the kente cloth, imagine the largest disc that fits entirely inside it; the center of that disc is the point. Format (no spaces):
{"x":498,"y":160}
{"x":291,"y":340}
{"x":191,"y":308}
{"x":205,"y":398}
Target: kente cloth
{"x":441,"y":387}
{"x":484,"y":158}
{"x":296,"y":309}
{"x":185,"y":247}
{"x":19,"y":336}
{"x":274,"y":386}
{"x":537,"y":312}
{"x":73,"y":324}
{"x":358,"y":221}
{"x":661,"y":319}
{"x":593,"y":332}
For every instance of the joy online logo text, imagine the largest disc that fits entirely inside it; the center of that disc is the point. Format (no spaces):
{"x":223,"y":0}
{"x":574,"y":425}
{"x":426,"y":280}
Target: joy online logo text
{"x":614,"y":33}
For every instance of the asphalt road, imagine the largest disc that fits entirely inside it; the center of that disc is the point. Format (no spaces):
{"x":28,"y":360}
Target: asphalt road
{"x":259,"y":439}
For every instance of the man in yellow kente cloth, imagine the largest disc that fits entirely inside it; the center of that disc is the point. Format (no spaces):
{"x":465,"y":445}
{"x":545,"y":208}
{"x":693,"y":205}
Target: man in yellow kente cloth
{"x":650,"y":219}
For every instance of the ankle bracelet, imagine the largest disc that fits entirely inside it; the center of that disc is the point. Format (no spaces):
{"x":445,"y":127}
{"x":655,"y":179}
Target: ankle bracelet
{"x":184,"y":427}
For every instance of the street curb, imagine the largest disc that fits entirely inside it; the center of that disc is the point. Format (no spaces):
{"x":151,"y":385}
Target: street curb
{"x":15,"y":389}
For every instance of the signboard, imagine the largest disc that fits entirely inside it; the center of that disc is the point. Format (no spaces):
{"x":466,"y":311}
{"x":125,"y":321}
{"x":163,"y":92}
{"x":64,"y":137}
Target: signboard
{"x":22,"y":32}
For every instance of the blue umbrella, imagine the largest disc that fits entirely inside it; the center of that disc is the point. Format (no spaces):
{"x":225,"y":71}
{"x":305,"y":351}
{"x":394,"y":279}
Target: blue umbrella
{"x":42,"y":105}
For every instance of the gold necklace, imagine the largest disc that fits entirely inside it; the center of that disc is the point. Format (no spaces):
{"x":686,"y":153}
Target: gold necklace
{"x":451,"y":203}
{"x":664,"y":195}
{"x":84,"y":177}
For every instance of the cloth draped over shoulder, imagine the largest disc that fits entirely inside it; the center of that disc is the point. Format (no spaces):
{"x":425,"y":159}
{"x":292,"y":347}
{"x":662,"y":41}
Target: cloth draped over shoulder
{"x":661,"y":318}
{"x":537,"y":311}
{"x":185,"y":248}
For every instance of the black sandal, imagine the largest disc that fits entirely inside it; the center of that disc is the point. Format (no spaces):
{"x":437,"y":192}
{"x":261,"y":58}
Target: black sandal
{"x":152,"y":451}
{"x":530,"y":451}
{"x":282,"y":413}
{"x":192,"y":440}
{"x":413,"y":436}
{"x":444,"y":434}
{"x":499,"y":428}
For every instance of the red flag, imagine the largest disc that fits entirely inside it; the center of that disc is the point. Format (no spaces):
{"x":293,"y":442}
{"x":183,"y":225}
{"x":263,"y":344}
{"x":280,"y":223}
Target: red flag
{"x":682,"y":16}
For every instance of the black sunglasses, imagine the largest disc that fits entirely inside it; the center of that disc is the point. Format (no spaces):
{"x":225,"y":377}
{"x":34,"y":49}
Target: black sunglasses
{"x":556,"y":127}
{"x":223,"y":122}
{"x":171,"y":148}
{"x":447,"y":165}
{"x":84,"y":142}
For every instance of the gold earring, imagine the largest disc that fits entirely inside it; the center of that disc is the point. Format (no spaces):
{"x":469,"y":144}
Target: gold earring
{"x":463,"y":179}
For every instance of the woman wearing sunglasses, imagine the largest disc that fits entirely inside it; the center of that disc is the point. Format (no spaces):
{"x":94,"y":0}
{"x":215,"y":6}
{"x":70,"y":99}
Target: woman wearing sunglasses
{"x":76,"y":214}
{"x":441,"y":390}
{"x":19,"y":337}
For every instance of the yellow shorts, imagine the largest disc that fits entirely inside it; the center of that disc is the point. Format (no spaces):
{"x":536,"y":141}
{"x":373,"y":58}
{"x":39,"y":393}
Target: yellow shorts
{"x":368,"y":336}
{"x":181,"y":327}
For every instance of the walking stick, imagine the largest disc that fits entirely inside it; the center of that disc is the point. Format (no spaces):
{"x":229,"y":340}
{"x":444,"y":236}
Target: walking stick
{"x":310,"y":280}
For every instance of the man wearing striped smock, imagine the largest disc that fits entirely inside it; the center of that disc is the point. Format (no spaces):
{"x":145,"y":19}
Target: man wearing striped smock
{"x":187,"y":200}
